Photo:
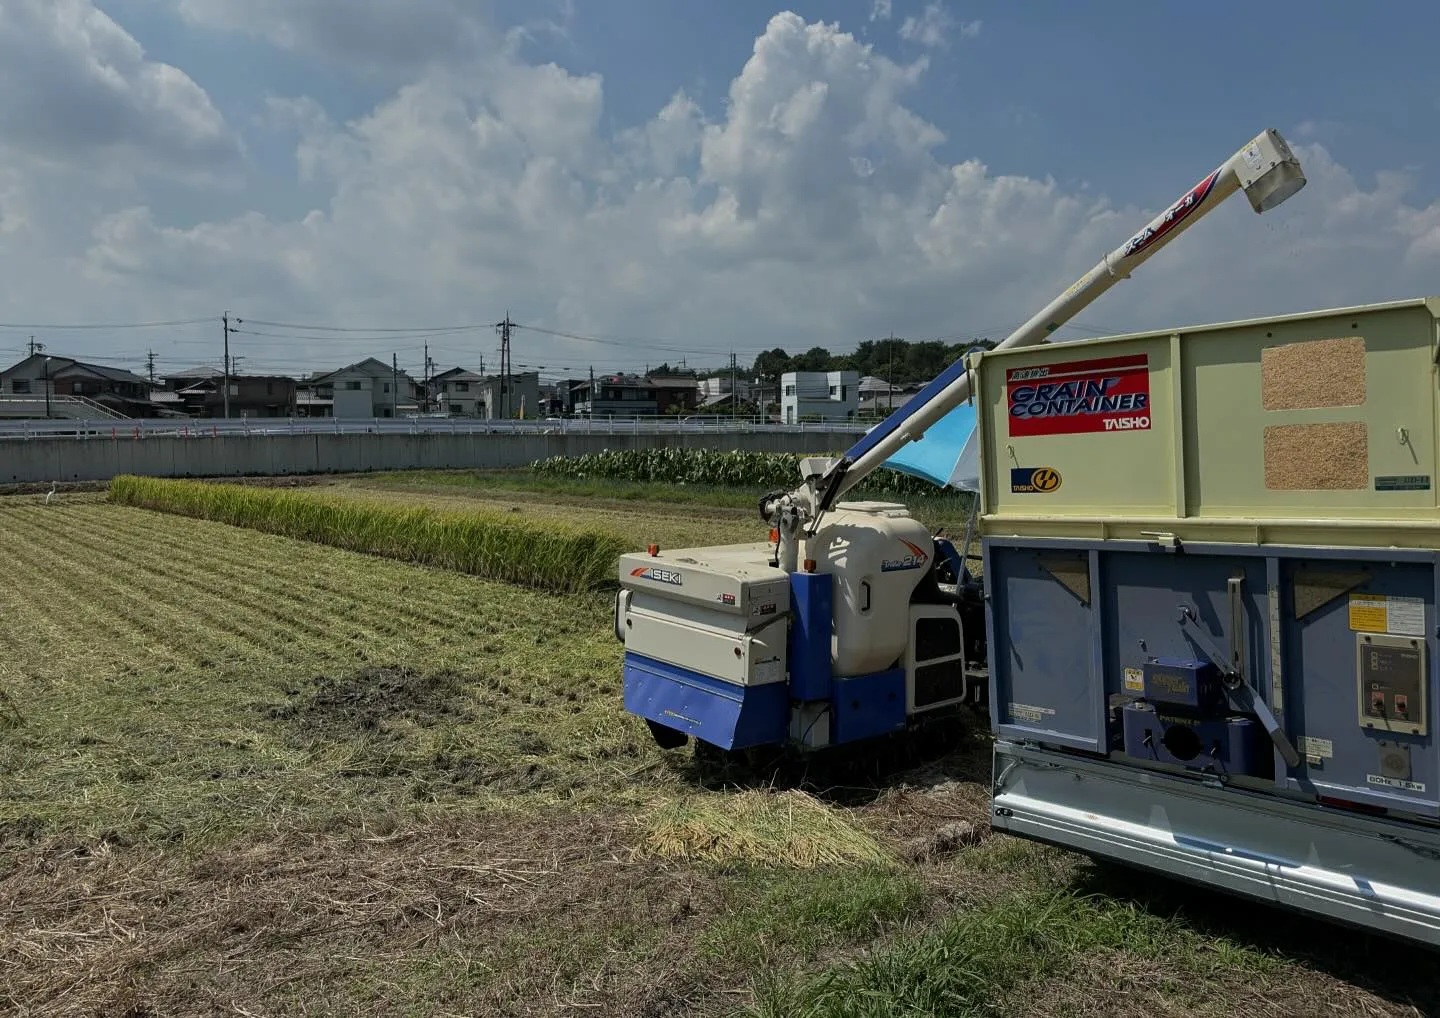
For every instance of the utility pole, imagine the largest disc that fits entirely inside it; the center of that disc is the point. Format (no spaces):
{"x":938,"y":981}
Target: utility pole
{"x":394,"y":385}
{"x":34,"y":346}
{"x":150,"y":364}
{"x":890,"y":381}
{"x":426,"y":372}
{"x":734,"y":392}
{"x":228,"y":329}
{"x":504,"y":329}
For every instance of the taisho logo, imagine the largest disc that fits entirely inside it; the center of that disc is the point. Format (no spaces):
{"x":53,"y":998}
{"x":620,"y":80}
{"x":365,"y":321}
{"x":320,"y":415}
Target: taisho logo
{"x":1107,"y":394}
{"x":1171,"y":217}
{"x":658,"y":575}
{"x":917,"y":558}
{"x":1039,"y":481}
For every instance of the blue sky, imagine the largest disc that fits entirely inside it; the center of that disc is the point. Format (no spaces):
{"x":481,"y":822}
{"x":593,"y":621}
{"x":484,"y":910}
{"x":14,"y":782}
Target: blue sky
{"x":937,"y":168}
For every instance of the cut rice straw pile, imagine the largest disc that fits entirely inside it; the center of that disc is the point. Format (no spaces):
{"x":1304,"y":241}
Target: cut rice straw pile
{"x":782,"y":828}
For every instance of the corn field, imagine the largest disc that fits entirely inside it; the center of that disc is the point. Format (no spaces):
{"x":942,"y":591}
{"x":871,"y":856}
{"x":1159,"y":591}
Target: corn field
{"x":544,"y":555}
{"x":710,"y":467}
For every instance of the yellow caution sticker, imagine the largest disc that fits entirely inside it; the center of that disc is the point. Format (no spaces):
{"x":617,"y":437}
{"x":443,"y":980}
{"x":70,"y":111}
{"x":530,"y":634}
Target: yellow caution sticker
{"x":1381,"y":613}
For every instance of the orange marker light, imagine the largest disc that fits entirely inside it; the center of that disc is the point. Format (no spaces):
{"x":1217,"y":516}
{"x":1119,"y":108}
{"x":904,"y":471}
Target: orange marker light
{"x":809,"y":565}
{"x":654,"y":550}
{"x":774,"y":534}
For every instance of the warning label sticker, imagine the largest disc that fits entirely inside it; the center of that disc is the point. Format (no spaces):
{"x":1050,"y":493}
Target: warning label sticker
{"x":1134,"y":680}
{"x":1027,"y":712}
{"x":1379,"y":613}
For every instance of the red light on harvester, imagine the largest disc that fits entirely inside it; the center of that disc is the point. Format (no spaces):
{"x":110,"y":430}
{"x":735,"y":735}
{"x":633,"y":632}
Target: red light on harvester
{"x":809,"y":565}
{"x":774,"y":535}
{"x":654,"y":550}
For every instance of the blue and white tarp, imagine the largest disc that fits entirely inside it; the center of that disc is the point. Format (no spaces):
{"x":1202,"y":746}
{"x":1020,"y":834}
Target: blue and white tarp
{"x":947,"y":455}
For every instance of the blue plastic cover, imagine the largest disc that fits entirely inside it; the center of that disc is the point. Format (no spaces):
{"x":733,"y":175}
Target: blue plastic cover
{"x":947,"y":454}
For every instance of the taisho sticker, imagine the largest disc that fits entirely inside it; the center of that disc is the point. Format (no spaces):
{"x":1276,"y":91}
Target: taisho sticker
{"x":1076,"y":397}
{"x":1172,"y":217}
{"x":1037,"y":480}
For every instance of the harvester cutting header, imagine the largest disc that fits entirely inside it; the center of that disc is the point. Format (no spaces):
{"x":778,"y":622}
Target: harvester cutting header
{"x":1206,"y":626}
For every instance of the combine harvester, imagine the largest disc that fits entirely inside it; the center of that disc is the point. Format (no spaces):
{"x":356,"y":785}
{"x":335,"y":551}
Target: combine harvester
{"x":1209,"y":593}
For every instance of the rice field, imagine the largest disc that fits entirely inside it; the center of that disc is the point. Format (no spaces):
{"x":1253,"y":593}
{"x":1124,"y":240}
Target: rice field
{"x":245,"y":773}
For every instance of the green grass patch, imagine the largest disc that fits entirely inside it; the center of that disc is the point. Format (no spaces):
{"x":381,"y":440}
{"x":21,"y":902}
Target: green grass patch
{"x":801,"y":912}
{"x":971,"y":964}
{"x":549,"y":556}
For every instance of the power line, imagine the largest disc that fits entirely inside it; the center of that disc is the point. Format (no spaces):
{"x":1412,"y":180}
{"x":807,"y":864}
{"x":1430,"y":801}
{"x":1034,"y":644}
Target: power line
{"x":432,"y":329}
{"x":105,"y":325}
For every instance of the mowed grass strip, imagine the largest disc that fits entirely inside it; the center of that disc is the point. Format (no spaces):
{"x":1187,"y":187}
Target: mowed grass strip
{"x":552,"y":555}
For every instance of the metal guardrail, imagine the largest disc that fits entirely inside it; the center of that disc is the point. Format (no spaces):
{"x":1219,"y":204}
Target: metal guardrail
{"x":262,"y":426}
{"x":64,"y":407}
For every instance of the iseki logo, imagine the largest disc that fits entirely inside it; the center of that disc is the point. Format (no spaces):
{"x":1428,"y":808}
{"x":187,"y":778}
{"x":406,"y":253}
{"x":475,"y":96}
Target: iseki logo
{"x":658,"y":575}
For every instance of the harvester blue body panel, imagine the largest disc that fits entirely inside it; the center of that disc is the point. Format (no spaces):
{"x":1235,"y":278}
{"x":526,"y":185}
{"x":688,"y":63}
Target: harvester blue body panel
{"x":811,"y":609}
{"x":868,"y":706}
{"x":721,"y":713}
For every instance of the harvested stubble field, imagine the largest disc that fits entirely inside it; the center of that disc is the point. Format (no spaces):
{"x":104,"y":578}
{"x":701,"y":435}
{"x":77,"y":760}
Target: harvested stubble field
{"x":245,"y":774}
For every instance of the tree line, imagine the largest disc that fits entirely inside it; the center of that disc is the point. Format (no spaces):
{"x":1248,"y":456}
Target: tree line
{"x":894,"y":360}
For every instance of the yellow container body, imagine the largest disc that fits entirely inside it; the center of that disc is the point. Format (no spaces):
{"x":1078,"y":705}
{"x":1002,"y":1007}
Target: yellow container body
{"x":1281,"y":428}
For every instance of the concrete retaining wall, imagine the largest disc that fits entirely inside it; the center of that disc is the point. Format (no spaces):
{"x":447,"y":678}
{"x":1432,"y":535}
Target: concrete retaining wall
{"x":42,"y":460}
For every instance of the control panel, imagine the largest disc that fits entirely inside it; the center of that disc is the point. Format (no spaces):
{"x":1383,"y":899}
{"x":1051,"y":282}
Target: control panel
{"x":1391,"y":678}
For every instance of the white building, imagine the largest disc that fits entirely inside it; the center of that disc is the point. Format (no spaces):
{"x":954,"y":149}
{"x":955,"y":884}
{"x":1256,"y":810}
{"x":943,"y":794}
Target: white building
{"x":365,"y":389}
{"x":827,"y":395}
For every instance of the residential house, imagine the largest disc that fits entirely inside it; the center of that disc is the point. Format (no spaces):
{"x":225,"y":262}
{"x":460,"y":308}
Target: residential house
{"x":822,"y":395}
{"x":366,"y":388}
{"x":116,"y":389}
{"x":615,"y":396}
{"x":521,"y":397}
{"x":675,"y":394}
{"x":721,"y":385}
{"x":201,"y":393}
{"x":457,"y":392}
{"x":879,"y":397}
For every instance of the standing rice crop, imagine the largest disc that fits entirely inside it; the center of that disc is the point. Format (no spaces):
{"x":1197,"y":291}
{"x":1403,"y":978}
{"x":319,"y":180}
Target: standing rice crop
{"x":547,"y":555}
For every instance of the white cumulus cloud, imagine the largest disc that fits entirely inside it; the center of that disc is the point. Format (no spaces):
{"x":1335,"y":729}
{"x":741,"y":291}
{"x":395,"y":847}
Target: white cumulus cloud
{"x":74,"y":85}
{"x":933,"y":27}
{"x":812,"y":208}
